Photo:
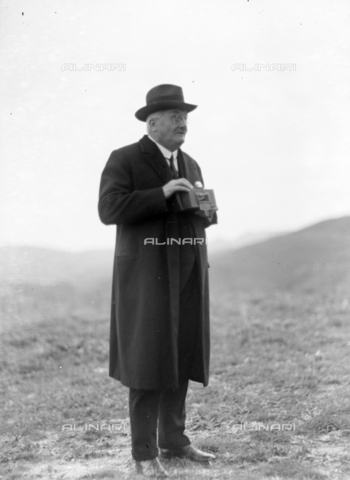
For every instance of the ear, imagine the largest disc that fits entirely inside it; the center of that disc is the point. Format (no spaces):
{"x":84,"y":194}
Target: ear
{"x":153,"y":124}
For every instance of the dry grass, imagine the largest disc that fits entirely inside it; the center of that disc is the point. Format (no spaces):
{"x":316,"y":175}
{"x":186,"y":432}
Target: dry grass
{"x":277,"y":359}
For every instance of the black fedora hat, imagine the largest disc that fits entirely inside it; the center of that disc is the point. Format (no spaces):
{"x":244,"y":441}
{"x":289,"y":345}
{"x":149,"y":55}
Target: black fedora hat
{"x":163,"y":97}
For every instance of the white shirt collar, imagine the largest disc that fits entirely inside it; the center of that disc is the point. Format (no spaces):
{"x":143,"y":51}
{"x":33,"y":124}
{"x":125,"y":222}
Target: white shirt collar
{"x":166,"y":153}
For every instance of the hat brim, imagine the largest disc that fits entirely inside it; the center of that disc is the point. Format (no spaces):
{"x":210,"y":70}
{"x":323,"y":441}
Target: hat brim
{"x":143,"y":112}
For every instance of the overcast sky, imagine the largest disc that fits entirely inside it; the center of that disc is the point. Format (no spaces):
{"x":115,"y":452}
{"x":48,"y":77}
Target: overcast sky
{"x":273,"y":144}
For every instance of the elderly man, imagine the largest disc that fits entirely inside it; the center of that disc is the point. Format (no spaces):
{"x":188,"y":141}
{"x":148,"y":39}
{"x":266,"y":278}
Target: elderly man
{"x":159,"y":337}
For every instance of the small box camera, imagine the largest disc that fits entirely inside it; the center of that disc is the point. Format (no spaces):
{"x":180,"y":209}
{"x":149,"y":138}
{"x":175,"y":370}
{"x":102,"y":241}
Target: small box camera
{"x":198,"y":199}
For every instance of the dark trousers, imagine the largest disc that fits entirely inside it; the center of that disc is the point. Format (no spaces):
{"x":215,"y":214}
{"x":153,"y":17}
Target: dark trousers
{"x":149,"y":407}
{"x":166,"y":408}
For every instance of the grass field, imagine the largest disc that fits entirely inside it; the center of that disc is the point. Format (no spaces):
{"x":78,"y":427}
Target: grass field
{"x":278,"y":404}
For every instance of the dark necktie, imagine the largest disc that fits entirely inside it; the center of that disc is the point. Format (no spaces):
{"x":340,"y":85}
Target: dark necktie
{"x":172,"y":168}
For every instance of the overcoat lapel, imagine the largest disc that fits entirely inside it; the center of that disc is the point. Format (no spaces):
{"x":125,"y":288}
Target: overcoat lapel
{"x":187,"y":167}
{"x":153,"y":156}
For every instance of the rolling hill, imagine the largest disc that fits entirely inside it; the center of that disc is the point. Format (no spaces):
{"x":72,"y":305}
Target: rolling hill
{"x":316,"y":257}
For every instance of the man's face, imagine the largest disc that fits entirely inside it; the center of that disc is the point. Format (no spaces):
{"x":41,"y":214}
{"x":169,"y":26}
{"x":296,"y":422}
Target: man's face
{"x":170,"y":129}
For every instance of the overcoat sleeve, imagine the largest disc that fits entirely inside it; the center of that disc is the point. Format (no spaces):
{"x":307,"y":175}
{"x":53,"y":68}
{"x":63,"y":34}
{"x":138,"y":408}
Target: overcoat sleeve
{"x":119,"y":203}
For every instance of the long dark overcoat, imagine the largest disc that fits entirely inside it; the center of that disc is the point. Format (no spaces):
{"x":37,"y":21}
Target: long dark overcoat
{"x":145,"y":291}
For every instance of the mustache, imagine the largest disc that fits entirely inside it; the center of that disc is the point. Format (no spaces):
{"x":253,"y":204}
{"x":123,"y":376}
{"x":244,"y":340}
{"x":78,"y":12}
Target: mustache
{"x":181,"y":130}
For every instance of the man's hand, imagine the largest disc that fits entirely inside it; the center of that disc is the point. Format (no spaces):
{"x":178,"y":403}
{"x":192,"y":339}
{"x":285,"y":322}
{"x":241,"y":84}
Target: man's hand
{"x":178,"y":185}
{"x":208,"y":215}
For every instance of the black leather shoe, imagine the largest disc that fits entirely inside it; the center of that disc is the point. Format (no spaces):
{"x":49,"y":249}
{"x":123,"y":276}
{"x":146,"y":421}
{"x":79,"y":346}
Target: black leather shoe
{"x":151,"y":468}
{"x":187,"y":452}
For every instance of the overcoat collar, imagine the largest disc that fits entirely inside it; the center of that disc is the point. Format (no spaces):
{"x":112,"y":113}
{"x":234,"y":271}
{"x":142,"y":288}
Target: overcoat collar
{"x":187,"y":167}
{"x":154,"y":157}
